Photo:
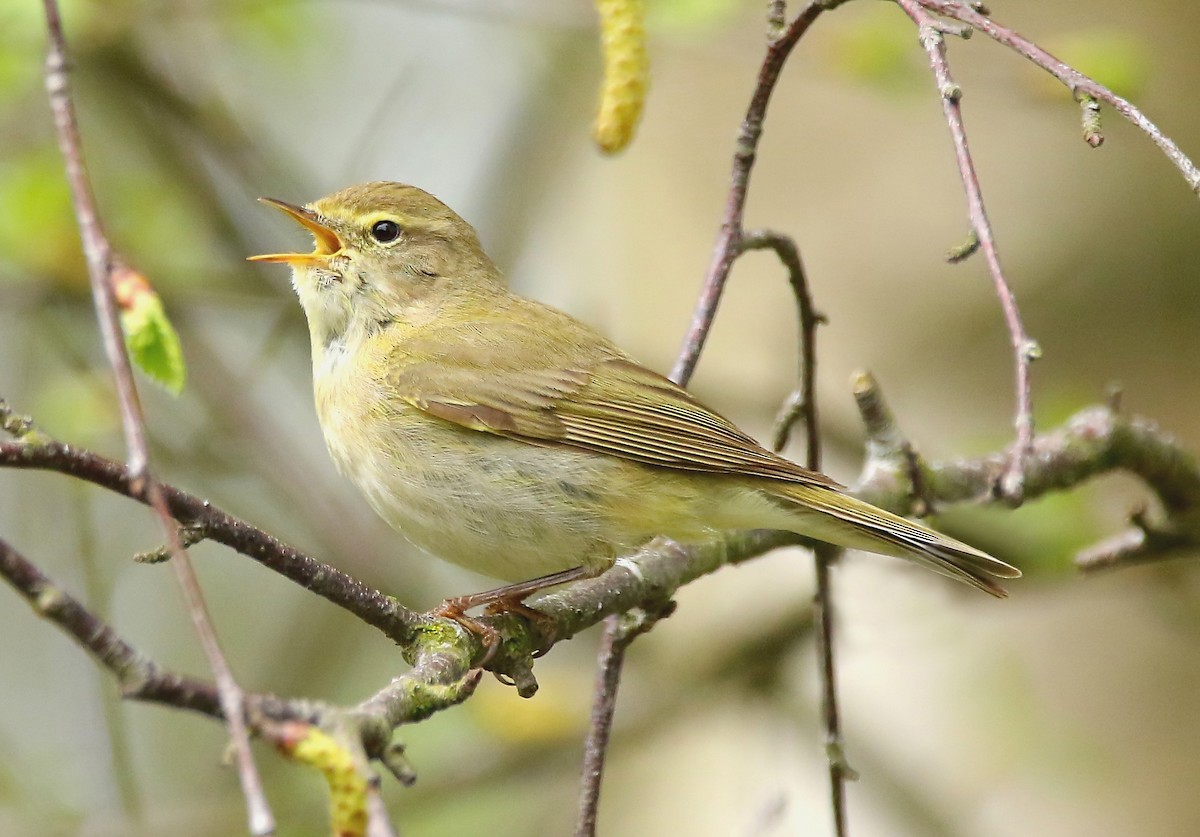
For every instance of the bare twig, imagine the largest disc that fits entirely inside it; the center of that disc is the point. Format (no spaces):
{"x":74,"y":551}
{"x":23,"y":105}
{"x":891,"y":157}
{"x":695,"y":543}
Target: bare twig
{"x":730,"y":244}
{"x":100,"y":262}
{"x":803,"y":404}
{"x":887,"y":447}
{"x":620,"y":629}
{"x":1025,"y":349}
{"x":138,"y":677}
{"x":1079,"y":84}
{"x":729,"y":239}
{"x":96,"y":248}
{"x":610,"y":661}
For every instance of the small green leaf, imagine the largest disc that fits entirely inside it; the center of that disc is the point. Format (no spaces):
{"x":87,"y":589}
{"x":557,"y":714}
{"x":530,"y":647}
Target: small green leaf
{"x":149,"y":335}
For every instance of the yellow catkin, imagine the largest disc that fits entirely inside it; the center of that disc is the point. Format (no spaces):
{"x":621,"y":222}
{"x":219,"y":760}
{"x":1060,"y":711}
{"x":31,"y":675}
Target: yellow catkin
{"x":347,"y":787}
{"x":626,"y":70}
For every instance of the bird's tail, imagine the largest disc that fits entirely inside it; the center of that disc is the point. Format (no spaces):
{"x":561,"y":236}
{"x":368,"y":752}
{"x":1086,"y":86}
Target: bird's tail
{"x":838,"y":518}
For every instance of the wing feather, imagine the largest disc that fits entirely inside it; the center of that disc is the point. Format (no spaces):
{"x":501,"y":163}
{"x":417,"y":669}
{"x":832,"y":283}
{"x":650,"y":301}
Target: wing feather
{"x":611,"y":406}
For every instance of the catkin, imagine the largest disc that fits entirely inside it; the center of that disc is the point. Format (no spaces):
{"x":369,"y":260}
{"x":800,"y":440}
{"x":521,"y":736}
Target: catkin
{"x":347,"y":787}
{"x":626,"y":69}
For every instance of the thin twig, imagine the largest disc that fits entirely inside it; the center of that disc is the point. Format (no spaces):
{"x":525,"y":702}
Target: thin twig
{"x":1075,"y":81}
{"x":610,"y":661}
{"x":729,"y":246}
{"x":729,"y":240}
{"x":932,"y":35}
{"x":620,"y":629}
{"x":100,"y":261}
{"x":803,"y":404}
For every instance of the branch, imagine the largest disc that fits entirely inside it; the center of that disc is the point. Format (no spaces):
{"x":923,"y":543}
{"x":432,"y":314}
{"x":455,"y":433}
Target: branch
{"x":620,"y":630}
{"x":730,"y":238}
{"x":1080,"y":85}
{"x":138,"y":677}
{"x":101,"y":262}
{"x":1025,"y":349}
{"x":732,"y":242}
{"x":1095,"y":441}
{"x":35,"y":450}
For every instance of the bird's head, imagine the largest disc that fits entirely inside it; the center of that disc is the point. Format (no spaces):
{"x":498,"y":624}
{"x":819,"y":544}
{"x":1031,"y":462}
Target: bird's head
{"x":382,"y":252}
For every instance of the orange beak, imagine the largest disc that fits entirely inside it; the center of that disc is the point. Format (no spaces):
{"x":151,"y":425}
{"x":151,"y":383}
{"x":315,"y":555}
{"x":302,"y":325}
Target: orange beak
{"x":326,"y":240}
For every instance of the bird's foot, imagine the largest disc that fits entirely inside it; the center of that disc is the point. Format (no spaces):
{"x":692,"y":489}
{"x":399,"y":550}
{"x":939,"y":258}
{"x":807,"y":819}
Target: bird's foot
{"x":456,"y":609}
{"x":507,"y":599}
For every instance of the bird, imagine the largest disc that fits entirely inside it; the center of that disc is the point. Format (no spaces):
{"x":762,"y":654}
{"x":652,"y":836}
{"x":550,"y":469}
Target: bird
{"x":505,"y":436}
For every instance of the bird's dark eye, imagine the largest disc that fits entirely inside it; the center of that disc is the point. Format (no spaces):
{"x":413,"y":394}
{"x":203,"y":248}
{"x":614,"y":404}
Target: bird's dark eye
{"x":385,"y":231}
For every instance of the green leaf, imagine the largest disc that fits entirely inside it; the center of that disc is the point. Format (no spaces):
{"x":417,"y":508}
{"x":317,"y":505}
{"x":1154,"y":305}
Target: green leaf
{"x":149,"y":335}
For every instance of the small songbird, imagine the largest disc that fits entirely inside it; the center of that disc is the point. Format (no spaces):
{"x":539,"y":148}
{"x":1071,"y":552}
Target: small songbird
{"x":509,"y":438}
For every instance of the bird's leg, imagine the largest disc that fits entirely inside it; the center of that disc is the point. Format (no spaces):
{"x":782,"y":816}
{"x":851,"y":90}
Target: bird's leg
{"x":507,"y":599}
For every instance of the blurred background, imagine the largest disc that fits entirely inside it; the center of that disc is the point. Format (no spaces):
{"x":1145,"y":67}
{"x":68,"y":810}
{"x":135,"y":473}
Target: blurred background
{"x":1072,"y":708}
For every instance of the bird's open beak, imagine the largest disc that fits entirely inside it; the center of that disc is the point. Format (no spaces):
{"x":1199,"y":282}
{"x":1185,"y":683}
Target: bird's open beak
{"x":326,"y":240}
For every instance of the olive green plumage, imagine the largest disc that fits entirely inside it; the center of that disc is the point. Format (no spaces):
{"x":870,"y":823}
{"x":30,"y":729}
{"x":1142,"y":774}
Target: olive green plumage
{"x":507,"y":437}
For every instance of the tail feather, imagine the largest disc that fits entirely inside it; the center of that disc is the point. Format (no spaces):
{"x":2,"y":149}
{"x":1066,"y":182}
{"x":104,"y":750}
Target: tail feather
{"x":868,"y":527}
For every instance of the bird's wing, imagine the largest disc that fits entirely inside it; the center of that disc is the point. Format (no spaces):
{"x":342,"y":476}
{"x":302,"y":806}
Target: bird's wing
{"x":607,"y":405}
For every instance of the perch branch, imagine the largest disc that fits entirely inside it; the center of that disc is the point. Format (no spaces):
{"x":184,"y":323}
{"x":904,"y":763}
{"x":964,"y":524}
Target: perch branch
{"x":1097,"y":440}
